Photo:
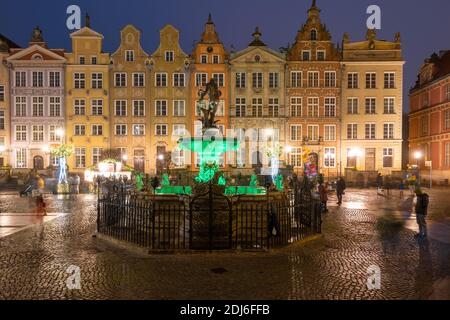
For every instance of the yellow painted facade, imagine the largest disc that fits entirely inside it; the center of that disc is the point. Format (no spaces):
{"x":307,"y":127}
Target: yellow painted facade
{"x":87,"y":102}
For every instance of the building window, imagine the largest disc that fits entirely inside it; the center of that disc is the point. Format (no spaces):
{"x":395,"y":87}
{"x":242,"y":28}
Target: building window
{"x":38,"y":133}
{"x":161,"y":130}
{"x":121,"y":129}
{"x":274,"y":107}
{"x":313,"y":79}
{"x":351,"y":158}
{"x":388,"y":131}
{"x":21,"y":106}
{"x":352,"y":131}
{"x":178,"y":158}
{"x":38,"y":106}
{"x":313,"y":132}
{"x":161,"y":108}
{"x":80,"y":130}
{"x":138,"y":79}
{"x":21,"y":133}
{"x":129,"y":55}
{"x":2,"y":120}
{"x":313,"y":35}
{"x":296,"y":106}
{"x":21,"y":79}
{"x":38,"y":79}
{"x":55,"y":79}
{"x":273,"y":79}
{"x":97,"y":107}
{"x":21,"y":158}
{"x":295,"y":157}
{"x":389,"y":80}
{"x":241,"y":80}
{"x":370,"y":131}
{"x":79,"y":107}
{"x":79,"y":80}
{"x":97,"y":80}
{"x":330,"y":158}
{"x":178,"y":80}
{"x":219,"y":78}
{"x":161,"y":79}
{"x":320,"y":55}
{"x":306,"y":55}
{"x":240,"y":107}
{"x":352,"y":105}
{"x":330,"y":132}
{"x":53,"y":136}
{"x":179,"y":130}
{"x":179,"y":108}
{"x":425,"y":100}
{"x":120,"y":79}
{"x":201,"y":79}
{"x":221,"y":109}
{"x":296,"y":79}
{"x":388,"y":157}
{"x":296,"y":132}
{"x":257,"y":80}
{"x":330,"y":107}
{"x":96,"y":155}
{"x":313,"y":107}
{"x":138,"y":108}
{"x":169,"y":56}
{"x":389,"y":105}
{"x":82,"y":60}
{"x":424,"y":125}
{"x":447,"y":154}
{"x":55,"y":106}
{"x":203,"y":58}
{"x":330,"y":79}
{"x":216,"y":59}
{"x":97,"y":130}
{"x":447,"y":119}
{"x":80,"y":157}
{"x":257,"y":107}
{"x":54,"y":161}
{"x":2,"y":93}
{"x":352,"y":81}
{"x":138,"y":129}
{"x":371,"y":80}
{"x":447,"y":92}
{"x":120,"y":108}
{"x":371,"y":105}
{"x":93,"y":60}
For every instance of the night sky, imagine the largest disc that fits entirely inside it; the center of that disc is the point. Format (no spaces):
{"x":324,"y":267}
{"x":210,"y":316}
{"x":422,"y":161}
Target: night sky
{"x":424,"y":25}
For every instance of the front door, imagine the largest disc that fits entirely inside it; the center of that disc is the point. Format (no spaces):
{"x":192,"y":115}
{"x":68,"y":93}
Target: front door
{"x":139,"y":160}
{"x":370,"y":159}
{"x":38,"y":163}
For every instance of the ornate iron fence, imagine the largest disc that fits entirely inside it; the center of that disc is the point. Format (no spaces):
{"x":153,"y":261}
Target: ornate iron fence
{"x":208,"y":220}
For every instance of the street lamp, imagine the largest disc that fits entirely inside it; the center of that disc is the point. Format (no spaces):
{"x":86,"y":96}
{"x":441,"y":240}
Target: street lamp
{"x":418,"y":155}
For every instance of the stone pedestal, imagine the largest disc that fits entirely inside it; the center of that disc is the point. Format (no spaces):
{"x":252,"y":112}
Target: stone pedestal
{"x":62,"y":188}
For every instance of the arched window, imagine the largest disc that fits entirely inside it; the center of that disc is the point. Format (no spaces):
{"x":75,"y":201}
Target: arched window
{"x":313,"y":34}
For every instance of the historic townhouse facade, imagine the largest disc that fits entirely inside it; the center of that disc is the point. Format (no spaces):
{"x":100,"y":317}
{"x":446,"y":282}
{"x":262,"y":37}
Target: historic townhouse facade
{"x":130,"y":101}
{"x":36,"y":103}
{"x":5,"y":130}
{"x":313,"y":94}
{"x":372,"y":92}
{"x":210,"y":61}
{"x":257,"y":102}
{"x":87,"y":100}
{"x":429,"y":117}
{"x":170,"y":107}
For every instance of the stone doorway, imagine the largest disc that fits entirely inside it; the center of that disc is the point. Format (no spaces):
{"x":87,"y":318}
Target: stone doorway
{"x":38,"y":163}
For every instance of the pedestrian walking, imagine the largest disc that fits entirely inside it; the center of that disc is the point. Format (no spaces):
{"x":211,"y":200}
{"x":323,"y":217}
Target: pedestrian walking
{"x":421,"y":212}
{"x":323,"y":194}
{"x":379,"y":184}
{"x":41,"y":205}
{"x":340,"y":189}
{"x":401,"y":187}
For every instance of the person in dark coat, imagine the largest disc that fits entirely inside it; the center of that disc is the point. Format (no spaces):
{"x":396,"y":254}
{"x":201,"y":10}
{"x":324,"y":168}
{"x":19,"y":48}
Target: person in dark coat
{"x":340,"y":189}
{"x":379,"y":184}
{"x":421,"y":212}
{"x":323,"y":194}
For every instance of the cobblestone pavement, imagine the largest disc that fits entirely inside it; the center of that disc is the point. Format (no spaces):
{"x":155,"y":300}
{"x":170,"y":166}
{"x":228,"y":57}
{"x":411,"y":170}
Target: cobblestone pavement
{"x":367,"y":230}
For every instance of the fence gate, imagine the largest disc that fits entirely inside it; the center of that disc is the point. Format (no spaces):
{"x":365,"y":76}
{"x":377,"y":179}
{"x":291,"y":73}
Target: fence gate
{"x":210,"y":220}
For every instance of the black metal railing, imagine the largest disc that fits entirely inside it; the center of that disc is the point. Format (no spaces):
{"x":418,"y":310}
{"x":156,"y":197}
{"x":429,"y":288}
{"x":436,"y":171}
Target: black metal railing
{"x":207,"y":222}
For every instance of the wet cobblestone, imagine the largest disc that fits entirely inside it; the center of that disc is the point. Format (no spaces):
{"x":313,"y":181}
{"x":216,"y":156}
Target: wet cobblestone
{"x":366,"y":231}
